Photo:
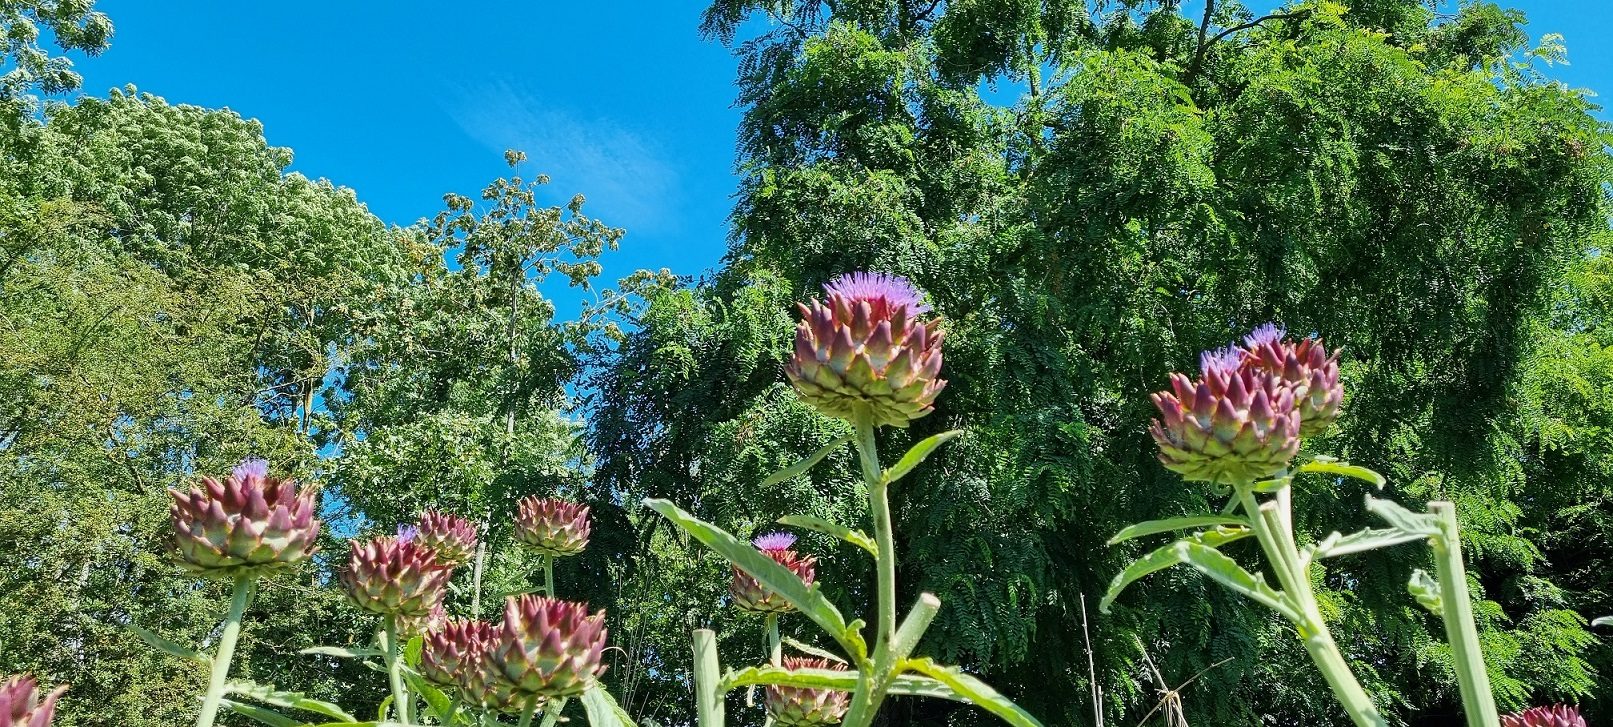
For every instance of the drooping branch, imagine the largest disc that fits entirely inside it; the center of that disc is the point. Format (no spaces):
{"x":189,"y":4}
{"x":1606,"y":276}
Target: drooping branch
{"x":1205,"y":40}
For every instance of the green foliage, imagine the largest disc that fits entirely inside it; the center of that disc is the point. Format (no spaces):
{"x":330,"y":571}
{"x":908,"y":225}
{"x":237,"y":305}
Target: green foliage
{"x":72,"y":24}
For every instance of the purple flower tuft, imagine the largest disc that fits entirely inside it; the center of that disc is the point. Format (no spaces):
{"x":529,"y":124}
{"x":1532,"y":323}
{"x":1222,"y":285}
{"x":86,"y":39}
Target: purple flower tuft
{"x":1268,"y":333}
{"x":774,"y":541}
{"x":896,"y":290}
{"x":1220,"y":361}
{"x":251,"y":467}
{"x":407,"y":533}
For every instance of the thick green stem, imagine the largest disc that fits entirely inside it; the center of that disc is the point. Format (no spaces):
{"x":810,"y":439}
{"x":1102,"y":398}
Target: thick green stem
{"x":226,"y":651}
{"x":775,"y":646}
{"x":552,"y":710}
{"x":1273,"y":530}
{"x":548,"y":575}
{"x":707,"y":679}
{"x":527,"y":712}
{"x":1478,"y":701}
{"x":393,"y":653}
{"x":871,"y":687}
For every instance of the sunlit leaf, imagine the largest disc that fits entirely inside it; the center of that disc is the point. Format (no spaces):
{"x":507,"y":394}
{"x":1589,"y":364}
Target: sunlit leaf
{"x":1406,"y":521}
{"x":290,"y":700}
{"x":918,"y":454}
{"x":603,"y":711}
{"x":975,"y":692}
{"x":1336,"y":545}
{"x":260,"y":714}
{"x":342,"y":652}
{"x":170,"y":647}
{"x":1346,"y":469}
{"x":1153,"y":527}
{"x":855,"y":537}
{"x":1224,"y":570}
{"x":1165,"y":557}
{"x":800,"y":468}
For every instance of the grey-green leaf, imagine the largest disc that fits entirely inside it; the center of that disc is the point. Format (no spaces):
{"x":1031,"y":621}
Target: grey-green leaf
{"x":1406,"y":521}
{"x":1224,"y":570}
{"x":342,"y":652}
{"x":1603,"y":621}
{"x":603,"y":711}
{"x":815,"y":524}
{"x":808,"y":599}
{"x":975,"y":692}
{"x":291,"y":700}
{"x":1426,"y":590}
{"x":1343,"y":468}
{"x":800,"y":468}
{"x":1154,"y":527}
{"x":1165,"y":557}
{"x":260,"y":714}
{"x":918,"y":454}
{"x":162,"y":644}
{"x":1370,"y":539}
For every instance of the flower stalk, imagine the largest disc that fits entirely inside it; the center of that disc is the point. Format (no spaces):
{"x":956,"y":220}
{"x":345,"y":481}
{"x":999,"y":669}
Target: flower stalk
{"x":1471,"y":677}
{"x":871,"y":687}
{"x":218,"y":681}
{"x":392,"y":652}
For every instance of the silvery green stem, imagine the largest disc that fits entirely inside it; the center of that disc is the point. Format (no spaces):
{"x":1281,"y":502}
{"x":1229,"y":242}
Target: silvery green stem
{"x":552,"y":710}
{"x":226,"y":651}
{"x":775,"y":646}
{"x":393,"y":653}
{"x":871,"y":687}
{"x":548,"y":575}
{"x":1478,"y":701}
{"x":707,"y":679}
{"x":1271,"y":524}
{"x":526,"y":713}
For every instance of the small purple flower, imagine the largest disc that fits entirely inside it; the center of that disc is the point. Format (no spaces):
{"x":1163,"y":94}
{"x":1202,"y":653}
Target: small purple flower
{"x":1269,"y":333}
{"x":1220,"y":361}
{"x":895,"y":290}
{"x":407,"y":533}
{"x":250,"y":468}
{"x":774,"y":541}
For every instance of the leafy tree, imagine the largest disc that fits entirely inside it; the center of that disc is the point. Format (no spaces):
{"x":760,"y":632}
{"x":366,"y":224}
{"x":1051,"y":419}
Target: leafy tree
{"x":1410,"y":187}
{"x":72,"y":24}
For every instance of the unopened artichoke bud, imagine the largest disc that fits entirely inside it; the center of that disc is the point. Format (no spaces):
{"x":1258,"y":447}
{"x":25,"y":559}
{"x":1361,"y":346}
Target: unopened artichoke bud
{"x":1304,"y":365}
{"x":1236,"y":424}
{"x":552,"y":526}
{"x":864,"y":352}
{"x":451,"y":649}
{"x":806,"y":706}
{"x":412,"y":626}
{"x":1561,"y":715}
{"x":454,"y":538}
{"x":549,"y":647}
{"x":249,"y":522}
{"x":22,"y":706}
{"x":749,"y":593}
{"x":395,"y":576}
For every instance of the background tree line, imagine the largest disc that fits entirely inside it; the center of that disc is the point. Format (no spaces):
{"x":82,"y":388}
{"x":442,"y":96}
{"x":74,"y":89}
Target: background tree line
{"x":1410,"y":185}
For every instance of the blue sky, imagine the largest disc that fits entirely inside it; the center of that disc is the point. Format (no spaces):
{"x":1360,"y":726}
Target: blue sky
{"x":619,"y":100}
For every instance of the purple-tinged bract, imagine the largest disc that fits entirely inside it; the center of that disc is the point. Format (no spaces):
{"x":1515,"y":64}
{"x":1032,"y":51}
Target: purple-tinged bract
{"x":552,"y":526}
{"x":395,"y":577}
{"x":249,"y":522}
{"x":449,"y":651}
{"x":548,"y":647}
{"x":1304,"y":366}
{"x":749,"y":593}
{"x":864,"y":354}
{"x":454,"y":538}
{"x":807,"y":706}
{"x":22,"y":706}
{"x":1561,"y":715}
{"x":1231,"y":425}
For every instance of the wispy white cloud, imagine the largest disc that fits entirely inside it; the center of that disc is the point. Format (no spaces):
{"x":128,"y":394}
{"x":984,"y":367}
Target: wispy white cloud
{"x":622,"y":172}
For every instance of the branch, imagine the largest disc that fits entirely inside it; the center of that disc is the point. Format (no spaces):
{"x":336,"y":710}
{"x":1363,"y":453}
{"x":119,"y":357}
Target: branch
{"x":1204,"y":45}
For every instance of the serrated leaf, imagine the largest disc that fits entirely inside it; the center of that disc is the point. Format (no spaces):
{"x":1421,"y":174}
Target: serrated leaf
{"x":813,"y":650}
{"x":1406,"y":521}
{"x":342,"y":652}
{"x":1165,"y":557}
{"x":1426,"y":590}
{"x":809,"y":600}
{"x":602,"y":709}
{"x":290,"y":700}
{"x":913,"y":685}
{"x":164,"y":645}
{"x":918,"y":454}
{"x":819,"y":525}
{"x":260,"y":714}
{"x":1336,"y":545}
{"x":1321,"y":466}
{"x":1154,"y":527}
{"x":975,"y":692}
{"x":800,"y":468}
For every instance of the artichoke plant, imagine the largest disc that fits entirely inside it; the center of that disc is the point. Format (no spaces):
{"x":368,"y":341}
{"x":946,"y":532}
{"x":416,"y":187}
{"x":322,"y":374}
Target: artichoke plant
{"x":395,"y":576}
{"x":1234,"y":424}
{"x":548,"y":647}
{"x":552,"y":526}
{"x":791,"y":706}
{"x":249,"y":522}
{"x":750,"y":595}
{"x":450,"y":651}
{"x":22,"y":706}
{"x":454,"y":538}
{"x":864,"y":351}
{"x":1561,"y":715}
